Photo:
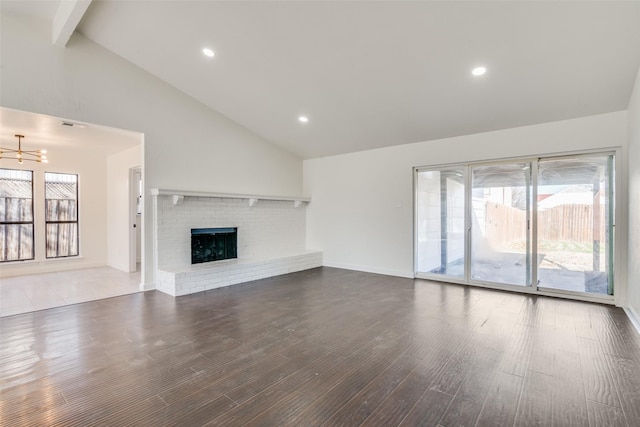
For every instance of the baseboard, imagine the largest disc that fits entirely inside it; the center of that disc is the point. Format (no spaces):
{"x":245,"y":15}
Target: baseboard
{"x":147,"y":286}
{"x":633,"y":317}
{"x":46,"y":266}
{"x":367,"y":269}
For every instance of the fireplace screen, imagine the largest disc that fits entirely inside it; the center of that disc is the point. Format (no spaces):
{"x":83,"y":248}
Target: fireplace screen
{"x":213,"y":244}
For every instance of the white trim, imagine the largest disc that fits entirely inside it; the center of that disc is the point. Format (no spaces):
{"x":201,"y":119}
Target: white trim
{"x":21,"y":262}
{"x":524,"y":158}
{"x":533,"y":225}
{"x":581,"y":296}
{"x":633,"y":317}
{"x":468,"y":220}
{"x":133,"y":216}
{"x":147,"y":286}
{"x":187,"y":193}
{"x":522,"y":290}
{"x":46,"y":260}
{"x":414,"y":221}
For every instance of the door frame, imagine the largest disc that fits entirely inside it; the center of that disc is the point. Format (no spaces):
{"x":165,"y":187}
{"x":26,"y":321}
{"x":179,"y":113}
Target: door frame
{"x":134,"y":172}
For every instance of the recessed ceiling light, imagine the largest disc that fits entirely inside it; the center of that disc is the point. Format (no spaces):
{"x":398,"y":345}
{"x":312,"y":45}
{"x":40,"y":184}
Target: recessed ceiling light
{"x":303,"y":119}
{"x":208,"y":52}
{"x":479,"y":71}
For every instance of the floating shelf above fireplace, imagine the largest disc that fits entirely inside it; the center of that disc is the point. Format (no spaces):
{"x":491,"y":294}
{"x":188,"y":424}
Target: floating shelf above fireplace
{"x":179,"y":195}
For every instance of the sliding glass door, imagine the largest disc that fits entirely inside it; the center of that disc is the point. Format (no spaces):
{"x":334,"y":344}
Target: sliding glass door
{"x":543,"y":224}
{"x":500,"y":232}
{"x":440,"y":242}
{"x":575,"y":224}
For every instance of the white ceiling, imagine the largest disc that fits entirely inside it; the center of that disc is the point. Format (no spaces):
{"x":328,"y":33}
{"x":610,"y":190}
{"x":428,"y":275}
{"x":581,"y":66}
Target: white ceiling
{"x":46,"y":132}
{"x":375,"y":74}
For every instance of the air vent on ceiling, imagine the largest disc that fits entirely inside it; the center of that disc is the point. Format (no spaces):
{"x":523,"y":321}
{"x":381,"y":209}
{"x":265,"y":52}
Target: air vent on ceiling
{"x":76,"y":125}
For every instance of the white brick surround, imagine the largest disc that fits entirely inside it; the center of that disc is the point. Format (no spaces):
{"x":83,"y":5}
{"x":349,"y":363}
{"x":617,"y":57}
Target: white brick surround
{"x":271,"y":241}
{"x":207,"y":276}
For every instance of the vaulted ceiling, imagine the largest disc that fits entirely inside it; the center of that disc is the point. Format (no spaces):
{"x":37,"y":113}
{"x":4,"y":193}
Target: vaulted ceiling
{"x":374,"y":74}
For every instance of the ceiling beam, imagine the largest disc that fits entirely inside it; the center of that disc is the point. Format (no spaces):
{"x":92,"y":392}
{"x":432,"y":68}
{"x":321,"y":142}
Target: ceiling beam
{"x":67,"y":18}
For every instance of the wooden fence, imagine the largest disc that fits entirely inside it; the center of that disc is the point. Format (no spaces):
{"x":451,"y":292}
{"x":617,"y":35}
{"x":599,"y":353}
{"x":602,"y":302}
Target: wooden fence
{"x":504,"y":224}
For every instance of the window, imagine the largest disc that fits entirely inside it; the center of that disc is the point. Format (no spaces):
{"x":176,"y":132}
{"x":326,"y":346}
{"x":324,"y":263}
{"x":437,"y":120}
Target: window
{"x":501,"y":199}
{"x":440,"y":201}
{"x":61,"y":214}
{"x":575,"y":223}
{"x":16,"y":215}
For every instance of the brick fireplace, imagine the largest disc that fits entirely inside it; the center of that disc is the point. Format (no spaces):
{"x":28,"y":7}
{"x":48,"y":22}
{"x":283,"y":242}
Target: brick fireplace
{"x":270,"y":239}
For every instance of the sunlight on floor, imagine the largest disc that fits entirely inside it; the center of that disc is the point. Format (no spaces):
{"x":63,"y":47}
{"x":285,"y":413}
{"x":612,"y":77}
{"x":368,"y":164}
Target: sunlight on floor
{"x":24,"y":294}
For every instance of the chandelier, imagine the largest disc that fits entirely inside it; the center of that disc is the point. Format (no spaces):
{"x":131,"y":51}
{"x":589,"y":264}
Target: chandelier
{"x":22,"y":155}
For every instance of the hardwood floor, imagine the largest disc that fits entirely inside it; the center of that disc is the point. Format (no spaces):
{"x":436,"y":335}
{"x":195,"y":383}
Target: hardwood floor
{"x":322,"y":347}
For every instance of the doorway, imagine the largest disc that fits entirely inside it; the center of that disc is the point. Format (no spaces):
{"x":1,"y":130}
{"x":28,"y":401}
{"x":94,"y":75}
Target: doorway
{"x":99,"y":159}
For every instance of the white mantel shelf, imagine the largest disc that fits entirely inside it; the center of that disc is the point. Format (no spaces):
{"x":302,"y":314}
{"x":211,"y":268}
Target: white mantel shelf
{"x":185,"y":193}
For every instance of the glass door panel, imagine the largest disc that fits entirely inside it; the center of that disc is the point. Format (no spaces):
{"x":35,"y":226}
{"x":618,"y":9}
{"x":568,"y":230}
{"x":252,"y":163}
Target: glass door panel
{"x":575,"y":224}
{"x":440,"y":222}
{"x":500,"y":219}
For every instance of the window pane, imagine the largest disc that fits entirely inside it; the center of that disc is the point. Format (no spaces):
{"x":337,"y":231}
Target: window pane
{"x":62,"y":240}
{"x":16,"y":215}
{"x":16,"y":209}
{"x":500,"y":236}
{"x":575,"y":213}
{"x":16,"y":192}
{"x":441,"y":222}
{"x":61,"y":194}
{"x":61,"y":214}
{"x":16,"y":243}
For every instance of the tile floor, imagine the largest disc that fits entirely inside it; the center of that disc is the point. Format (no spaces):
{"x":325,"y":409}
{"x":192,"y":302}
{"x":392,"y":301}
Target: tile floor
{"x":24,"y":294}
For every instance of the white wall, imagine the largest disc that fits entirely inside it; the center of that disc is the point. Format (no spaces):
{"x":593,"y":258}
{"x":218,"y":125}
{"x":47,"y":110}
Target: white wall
{"x":92,"y":186}
{"x":119,"y":206}
{"x":187,"y":145}
{"x":633,"y":273}
{"x":361,"y":215}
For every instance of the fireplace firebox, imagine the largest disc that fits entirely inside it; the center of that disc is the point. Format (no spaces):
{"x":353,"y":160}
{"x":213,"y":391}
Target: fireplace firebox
{"x":213,"y":244}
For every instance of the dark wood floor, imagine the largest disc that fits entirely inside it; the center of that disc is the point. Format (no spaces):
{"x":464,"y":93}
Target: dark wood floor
{"x":322,"y":347}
